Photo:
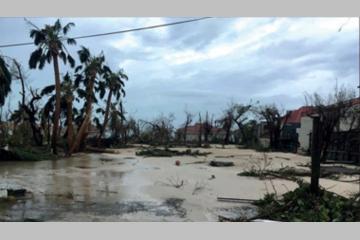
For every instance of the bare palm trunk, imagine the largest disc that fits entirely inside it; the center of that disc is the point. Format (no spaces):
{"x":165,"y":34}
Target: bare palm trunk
{"x":70,"y":127}
{"x":106,"y":117}
{"x":57,"y":104}
{"x":81,"y":135}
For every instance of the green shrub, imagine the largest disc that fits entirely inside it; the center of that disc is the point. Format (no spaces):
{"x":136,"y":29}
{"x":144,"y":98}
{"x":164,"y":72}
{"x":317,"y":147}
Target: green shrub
{"x":302,"y":205}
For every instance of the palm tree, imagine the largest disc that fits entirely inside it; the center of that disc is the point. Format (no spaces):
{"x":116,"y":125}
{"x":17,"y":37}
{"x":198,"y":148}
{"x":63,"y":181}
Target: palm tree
{"x":114,"y":82}
{"x":68,"y":98}
{"x":50,"y":46}
{"x":5,"y":80}
{"x":93,"y":69}
{"x":66,"y":106}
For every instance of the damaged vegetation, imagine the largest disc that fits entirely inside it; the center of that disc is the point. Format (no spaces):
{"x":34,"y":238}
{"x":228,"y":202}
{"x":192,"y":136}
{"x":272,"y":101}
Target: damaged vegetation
{"x":292,"y":173}
{"x":302,"y":205}
{"x":166,"y":152}
{"x":261,"y":169}
{"x":26,"y":154}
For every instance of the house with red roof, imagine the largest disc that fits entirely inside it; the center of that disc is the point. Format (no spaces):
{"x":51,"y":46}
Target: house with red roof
{"x":306,"y":125}
{"x":193,"y":132}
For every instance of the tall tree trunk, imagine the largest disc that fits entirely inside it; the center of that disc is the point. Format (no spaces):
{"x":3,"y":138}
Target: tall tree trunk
{"x":185,"y":133}
{"x":106,"y":116}
{"x":21,"y":77}
{"x":57,"y":103}
{"x":48,"y":130}
{"x":79,"y":135}
{"x":70,"y":127}
{"x":200,"y":132}
{"x":82,"y":133}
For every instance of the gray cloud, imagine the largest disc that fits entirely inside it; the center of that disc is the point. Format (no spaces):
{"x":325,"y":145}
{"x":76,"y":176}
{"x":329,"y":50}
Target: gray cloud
{"x":205,"y":65}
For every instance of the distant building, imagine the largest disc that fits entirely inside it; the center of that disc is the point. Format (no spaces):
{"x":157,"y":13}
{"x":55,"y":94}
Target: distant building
{"x":290,"y":123}
{"x":193,"y":132}
{"x":306,"y":125}
{"x":291,"y":139}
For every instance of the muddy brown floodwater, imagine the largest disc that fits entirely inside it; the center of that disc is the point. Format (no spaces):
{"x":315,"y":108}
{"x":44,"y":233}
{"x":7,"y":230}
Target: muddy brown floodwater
{"x":126,"y":187}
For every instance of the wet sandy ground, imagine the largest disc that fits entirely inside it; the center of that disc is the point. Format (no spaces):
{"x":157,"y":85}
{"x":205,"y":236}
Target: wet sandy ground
{"x":126,"y":187}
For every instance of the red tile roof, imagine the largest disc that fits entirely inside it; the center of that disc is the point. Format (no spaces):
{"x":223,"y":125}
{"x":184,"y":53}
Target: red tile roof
{"x":296,"y":115}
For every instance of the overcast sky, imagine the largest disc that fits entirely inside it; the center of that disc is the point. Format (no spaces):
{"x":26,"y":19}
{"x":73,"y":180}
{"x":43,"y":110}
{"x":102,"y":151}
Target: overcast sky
{"x":204,"y":65}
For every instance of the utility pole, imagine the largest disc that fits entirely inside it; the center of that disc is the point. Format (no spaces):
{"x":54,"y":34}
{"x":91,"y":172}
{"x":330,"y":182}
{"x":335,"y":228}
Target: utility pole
{"x":359,"y":58}
{"x":315,"y":155}
{"x":359,"y":96}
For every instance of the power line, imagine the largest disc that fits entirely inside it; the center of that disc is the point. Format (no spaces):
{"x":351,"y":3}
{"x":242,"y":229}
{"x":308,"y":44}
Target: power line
{"x":116,"y":32}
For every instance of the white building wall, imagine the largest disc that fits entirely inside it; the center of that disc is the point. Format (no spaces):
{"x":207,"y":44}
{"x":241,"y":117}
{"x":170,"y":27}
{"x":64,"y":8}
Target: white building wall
{"x":304,"y":133}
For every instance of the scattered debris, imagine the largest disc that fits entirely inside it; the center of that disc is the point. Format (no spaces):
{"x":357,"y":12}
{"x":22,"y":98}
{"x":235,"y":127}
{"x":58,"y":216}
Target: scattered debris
{"x":237,"y":200}
{"x":215,"y":163}
{"x":235,"y":155}
{"x":20,"y":192}
{"x":166,"y":152}
{"x":199,"y":186}
{"x":85,"y":167}
{"x":197,"y":162}
{"x":106,"y":159}
{"x":234,"y":214}
{"x":301,"y":205}
{"x":212,"y":177}
{"x":174,"y":182}
{"x":339,"y":170}
{"x":228,"y":156}
{"x":292,"y":173}
{"x":174,"y":207}
{"x":285,"y":158}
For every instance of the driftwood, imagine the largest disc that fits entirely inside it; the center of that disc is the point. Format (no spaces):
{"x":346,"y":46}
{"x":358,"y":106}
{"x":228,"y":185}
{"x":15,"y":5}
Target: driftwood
{"x":221,"y":164}
{"x":238,"y":200}
{"x":285,"y":158}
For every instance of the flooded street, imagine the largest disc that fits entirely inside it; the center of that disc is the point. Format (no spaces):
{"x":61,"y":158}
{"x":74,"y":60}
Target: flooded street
{"x":126,"y":187}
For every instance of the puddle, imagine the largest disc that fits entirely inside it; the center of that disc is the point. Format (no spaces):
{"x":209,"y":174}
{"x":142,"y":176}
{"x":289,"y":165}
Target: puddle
{"x":109,"y":173}
{"x":54,"y":211}
{"x":236,"y":212}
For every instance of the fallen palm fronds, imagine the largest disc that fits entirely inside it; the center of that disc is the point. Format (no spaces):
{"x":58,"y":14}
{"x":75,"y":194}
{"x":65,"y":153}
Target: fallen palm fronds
{"x":166,"y":152}
{"x":199,"y":186}
{"x":288,"y":173}
{"x":175,"y":182}
{"x":301,"y":205}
